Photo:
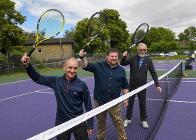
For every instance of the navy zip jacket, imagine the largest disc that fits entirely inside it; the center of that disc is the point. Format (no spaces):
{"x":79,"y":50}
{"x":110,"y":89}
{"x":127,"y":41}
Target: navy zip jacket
{"x":70,"y":95}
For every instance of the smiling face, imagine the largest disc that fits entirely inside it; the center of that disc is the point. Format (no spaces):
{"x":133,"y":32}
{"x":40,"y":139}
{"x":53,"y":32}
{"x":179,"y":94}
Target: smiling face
{"x":70,"y":68}
{"x":142,"y":49}
{"x":112,"y":58}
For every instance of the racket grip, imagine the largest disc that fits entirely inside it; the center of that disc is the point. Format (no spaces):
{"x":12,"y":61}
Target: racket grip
{"x":81,"y":57}
{"x":30,"y":52}
{"x":85,"y":48}
{"x":128,"y":50}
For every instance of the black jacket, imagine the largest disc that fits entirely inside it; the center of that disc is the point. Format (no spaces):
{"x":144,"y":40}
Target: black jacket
{"x":138,"y":75}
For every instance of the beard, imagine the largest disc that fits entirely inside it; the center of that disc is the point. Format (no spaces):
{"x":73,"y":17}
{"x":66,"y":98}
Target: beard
{"x":142,"y":55}
{"x":113,"y":63}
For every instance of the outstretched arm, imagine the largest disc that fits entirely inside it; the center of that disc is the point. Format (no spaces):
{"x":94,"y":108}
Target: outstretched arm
{"x":34,"y":75}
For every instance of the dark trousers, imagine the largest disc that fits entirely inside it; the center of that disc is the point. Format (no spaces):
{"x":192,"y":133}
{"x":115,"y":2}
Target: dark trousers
{"x":142,"y":105}
{"x":79,"y":132}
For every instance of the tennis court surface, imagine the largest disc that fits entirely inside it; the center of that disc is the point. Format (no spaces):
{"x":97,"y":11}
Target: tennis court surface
{"x":27,"y":109}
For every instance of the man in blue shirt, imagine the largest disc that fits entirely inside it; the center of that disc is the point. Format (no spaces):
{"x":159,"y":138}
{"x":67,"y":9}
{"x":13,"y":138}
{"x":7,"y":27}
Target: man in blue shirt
{"x":110,"y":80}
{"x":71,"y":93}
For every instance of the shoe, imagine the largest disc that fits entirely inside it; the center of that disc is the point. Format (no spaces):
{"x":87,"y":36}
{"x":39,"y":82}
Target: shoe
{"x":145,"y":124}
{"x":126,"y":122}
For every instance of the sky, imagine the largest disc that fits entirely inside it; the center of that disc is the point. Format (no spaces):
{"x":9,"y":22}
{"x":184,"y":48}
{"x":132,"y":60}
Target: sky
{"x":176,"y":15}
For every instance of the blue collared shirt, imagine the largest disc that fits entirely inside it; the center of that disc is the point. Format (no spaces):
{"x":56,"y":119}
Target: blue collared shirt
{"x":141,"y":60}
{"x":108,"y":81}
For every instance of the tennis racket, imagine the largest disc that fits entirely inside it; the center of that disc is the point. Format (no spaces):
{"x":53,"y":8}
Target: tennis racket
{"x":49,"y":25}
{"x":139,"y":34}
{"x":95,"y":27}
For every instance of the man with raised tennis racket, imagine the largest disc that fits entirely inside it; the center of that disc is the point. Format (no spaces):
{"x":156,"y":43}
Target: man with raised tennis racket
{"x":110,"y":80}
{"x":71,"y":94}
{"x":139,"y":64}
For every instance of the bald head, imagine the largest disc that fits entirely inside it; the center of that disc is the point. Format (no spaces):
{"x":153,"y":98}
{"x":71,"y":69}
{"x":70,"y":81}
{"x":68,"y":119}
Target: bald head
{"x":70,"y":68}
{"x":71,"y":60}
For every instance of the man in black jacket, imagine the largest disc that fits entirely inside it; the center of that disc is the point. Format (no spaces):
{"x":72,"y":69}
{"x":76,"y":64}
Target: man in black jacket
{"x":139,"y":66}
{"x":71,"y":93}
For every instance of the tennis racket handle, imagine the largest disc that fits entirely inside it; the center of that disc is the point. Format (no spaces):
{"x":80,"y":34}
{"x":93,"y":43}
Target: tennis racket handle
{"x":129,"y":49}
{"x":30,"y":52}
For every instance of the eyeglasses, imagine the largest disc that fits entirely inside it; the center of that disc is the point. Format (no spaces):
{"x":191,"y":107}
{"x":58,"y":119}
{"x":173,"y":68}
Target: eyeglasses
{"x":142,"y":50}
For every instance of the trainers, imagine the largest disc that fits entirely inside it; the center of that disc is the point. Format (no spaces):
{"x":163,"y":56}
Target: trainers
{"x":145,"y":124}
{"x":126,"y":122}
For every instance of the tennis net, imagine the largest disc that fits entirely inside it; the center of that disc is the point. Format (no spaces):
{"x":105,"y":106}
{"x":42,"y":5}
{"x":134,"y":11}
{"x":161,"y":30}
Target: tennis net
{"x":156,"y":107}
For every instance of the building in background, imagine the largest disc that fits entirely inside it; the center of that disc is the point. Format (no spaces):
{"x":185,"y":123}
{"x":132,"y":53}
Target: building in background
{"x":51,"y":50}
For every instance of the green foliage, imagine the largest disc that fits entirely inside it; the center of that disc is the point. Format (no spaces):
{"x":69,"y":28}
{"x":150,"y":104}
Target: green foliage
{"x":69,"y":33}
{"x":80,"y":34}
{"x":189,"y":36}
{"x":159,"y":34}
{"x":114,"y":34}
{"x":117,"y":30}
{"x":164,"y":46}
{"x":11,"y":34}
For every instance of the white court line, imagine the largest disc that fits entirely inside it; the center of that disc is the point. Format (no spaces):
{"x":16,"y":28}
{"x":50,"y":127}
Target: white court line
{"x":31,"y":80}
{"x":188,"y":81}
{"x":13,"y":82}
{"x":28,"y":93}
{"x":174,"y":101}
{"x":52,"y":93}
{"x":186,"y":102}
{"x":188,"y":78}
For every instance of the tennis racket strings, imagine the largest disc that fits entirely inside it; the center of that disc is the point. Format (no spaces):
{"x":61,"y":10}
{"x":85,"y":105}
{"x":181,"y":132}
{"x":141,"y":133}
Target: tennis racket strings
{"x":140,"y":33}
{"x":50,"y":24}
{"x":95,"y":26}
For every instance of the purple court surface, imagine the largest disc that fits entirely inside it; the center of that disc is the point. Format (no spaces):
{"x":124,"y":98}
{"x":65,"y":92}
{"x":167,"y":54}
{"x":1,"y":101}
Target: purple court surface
{"x":27,"y":109}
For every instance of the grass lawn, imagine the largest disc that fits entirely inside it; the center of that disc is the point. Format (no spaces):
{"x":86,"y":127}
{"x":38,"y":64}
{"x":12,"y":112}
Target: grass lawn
{"x":16,"y":76}
{"x":12,"y":77}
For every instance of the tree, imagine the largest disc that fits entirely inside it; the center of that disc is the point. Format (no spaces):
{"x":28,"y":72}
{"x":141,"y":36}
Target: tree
{"x":11,"y":34}
{"x":114,"y":33}
{"x":80,"y":34}
{"x":164,"y":46}
{"x":159,"y":34}
{"x":188,"y":36}
{"x":117,"y":30}
{"x":69,"y":33}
